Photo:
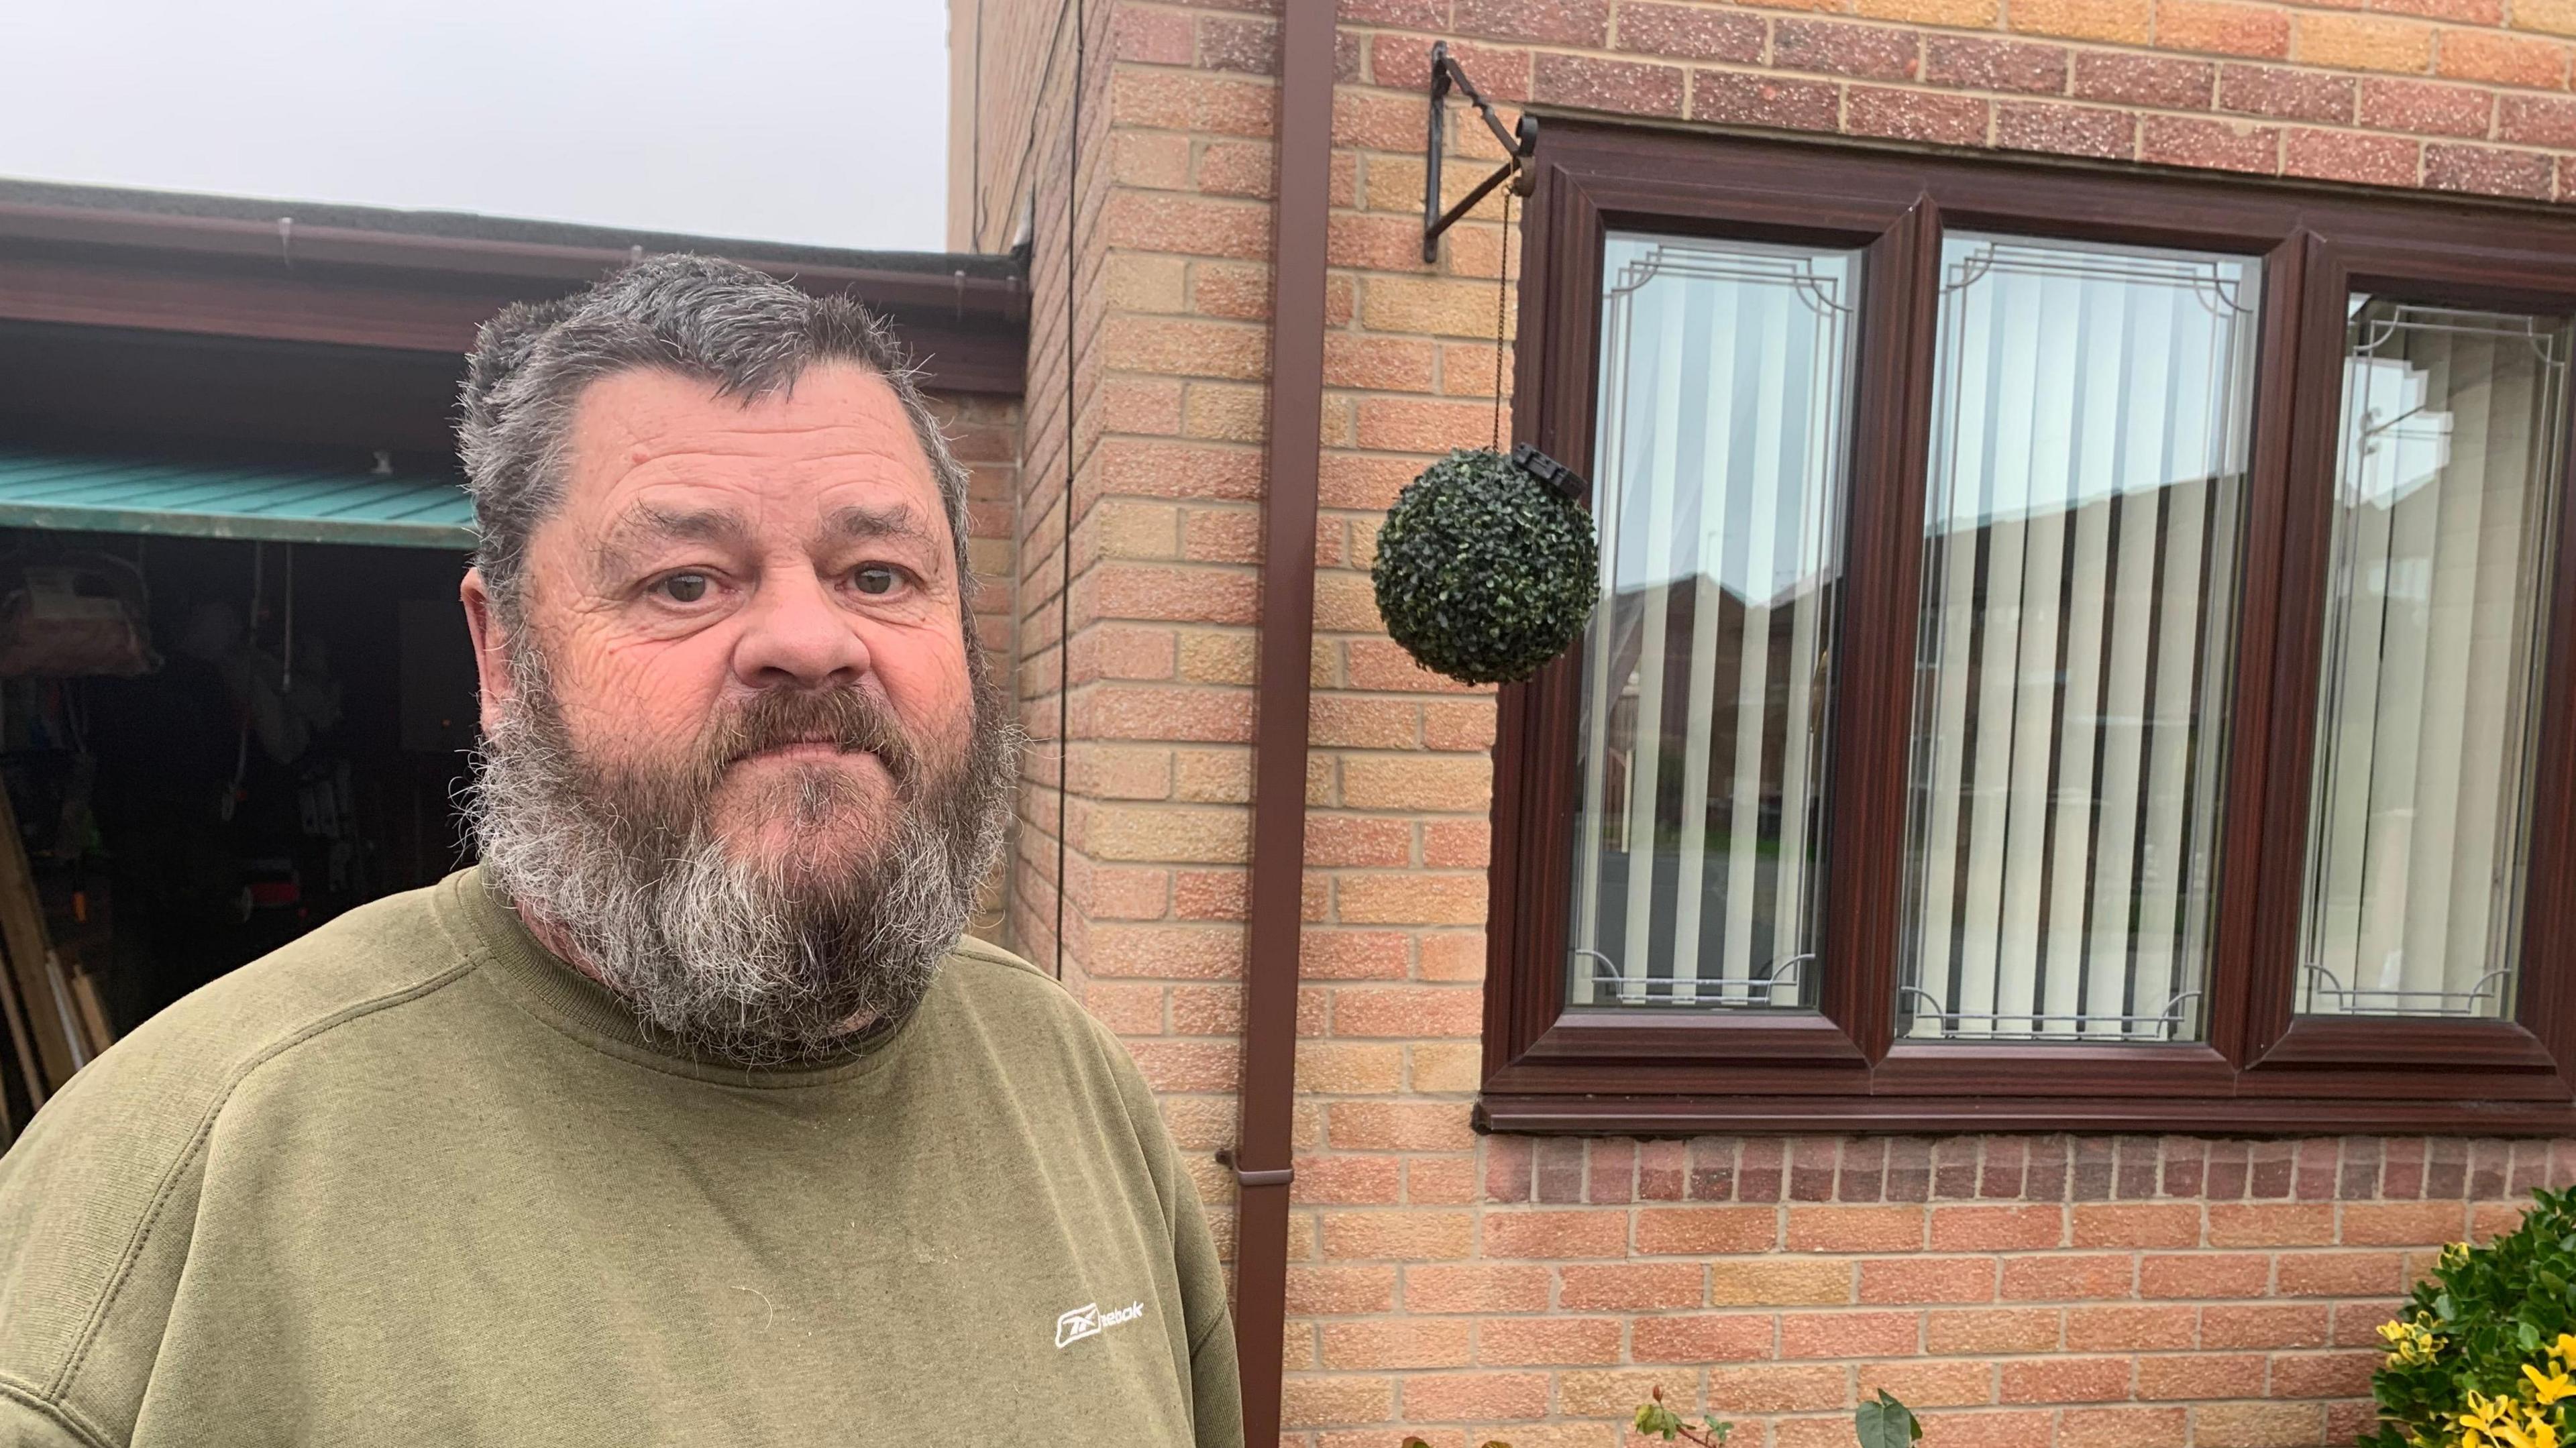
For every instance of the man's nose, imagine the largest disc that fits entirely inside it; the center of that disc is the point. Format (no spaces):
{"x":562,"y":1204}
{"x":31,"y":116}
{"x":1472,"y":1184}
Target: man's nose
{"x":795,"y":635}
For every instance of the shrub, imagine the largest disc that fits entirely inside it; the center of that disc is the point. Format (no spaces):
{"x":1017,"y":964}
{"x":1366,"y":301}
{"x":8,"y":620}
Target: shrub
{"x":2484,"y":1355}
{"x":1485,"y":569}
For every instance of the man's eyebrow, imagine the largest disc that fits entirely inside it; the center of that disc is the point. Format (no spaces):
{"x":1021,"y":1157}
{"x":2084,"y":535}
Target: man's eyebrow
{"x":865,"y":524}
{"x":644,"y":524}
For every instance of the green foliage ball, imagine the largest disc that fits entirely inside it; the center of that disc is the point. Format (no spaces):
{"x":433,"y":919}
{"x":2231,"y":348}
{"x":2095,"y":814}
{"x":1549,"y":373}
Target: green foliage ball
{"x":2482,"y":1353}
{"x":1483,"y":572}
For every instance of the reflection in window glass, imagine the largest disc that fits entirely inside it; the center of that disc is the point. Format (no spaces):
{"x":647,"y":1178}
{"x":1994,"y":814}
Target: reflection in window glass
{"x":2444,"y":485}
{"x":2091,"y":408}
{"x":1725,"y":384}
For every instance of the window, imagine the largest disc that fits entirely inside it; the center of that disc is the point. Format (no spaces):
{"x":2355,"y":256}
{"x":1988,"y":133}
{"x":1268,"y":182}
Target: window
{"x":2074,"y":651}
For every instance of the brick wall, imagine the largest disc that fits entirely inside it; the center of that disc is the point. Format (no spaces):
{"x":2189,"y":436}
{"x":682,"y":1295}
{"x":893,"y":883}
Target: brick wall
{"x":2024,"y":1290}
{"x":984,"y":433}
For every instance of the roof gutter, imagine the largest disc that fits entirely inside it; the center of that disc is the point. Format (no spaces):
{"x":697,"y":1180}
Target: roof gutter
{"x":285,"y":241}
{"x":1263,"y":1155}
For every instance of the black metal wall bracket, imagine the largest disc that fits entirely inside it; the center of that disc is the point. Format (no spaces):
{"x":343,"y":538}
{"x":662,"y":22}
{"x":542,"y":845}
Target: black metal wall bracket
{"x":1518,"y":143}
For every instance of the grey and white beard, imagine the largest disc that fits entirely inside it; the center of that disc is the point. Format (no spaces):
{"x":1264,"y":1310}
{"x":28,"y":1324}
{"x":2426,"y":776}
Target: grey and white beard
{"x":722,"y":956}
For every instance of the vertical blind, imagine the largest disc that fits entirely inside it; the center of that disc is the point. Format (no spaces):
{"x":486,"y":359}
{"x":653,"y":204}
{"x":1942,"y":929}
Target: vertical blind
{"x":2089,"y":447}
{"x":2449,"y":452}
{"x":1725,"y":382}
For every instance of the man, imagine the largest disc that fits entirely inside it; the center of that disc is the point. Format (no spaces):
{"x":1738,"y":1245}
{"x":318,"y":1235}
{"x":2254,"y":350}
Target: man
{"x":687,"y":1117}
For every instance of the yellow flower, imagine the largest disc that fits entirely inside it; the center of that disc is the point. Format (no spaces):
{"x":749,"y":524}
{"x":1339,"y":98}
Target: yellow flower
{"x":2409,"y":1343}
{"x":2549,"y":1387}
{"x":2565,"y":1348}
{"x":2496,"y":1423}
{"x":2455,"y":1254}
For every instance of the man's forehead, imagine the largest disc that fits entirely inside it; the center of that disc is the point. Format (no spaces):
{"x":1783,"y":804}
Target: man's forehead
{"x":833,"y":411}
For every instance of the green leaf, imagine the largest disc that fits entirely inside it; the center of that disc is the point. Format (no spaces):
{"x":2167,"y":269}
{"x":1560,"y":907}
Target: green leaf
{"x":1886,"y":1423}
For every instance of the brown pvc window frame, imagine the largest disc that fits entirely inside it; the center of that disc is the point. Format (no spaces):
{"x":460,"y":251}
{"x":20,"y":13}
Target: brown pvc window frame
{"x":2259,"y":1068}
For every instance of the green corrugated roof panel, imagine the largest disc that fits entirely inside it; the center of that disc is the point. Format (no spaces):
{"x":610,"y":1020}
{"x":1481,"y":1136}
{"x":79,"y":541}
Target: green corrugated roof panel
{"x":81,"y":493}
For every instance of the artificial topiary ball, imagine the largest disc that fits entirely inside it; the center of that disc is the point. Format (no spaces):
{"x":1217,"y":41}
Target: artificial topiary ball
{"x":1485,"y":569}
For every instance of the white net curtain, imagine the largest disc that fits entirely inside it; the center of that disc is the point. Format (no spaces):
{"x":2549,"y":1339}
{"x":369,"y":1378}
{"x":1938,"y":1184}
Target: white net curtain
{"x":1725,"y":379}
{"x":2451,"y":422}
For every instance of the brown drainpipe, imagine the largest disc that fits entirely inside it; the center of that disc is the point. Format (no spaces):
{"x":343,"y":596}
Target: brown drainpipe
{"x":1262,"y":1156}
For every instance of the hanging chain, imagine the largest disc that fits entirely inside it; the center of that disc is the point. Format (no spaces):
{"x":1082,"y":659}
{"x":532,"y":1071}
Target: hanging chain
{"x":1502,"y":301}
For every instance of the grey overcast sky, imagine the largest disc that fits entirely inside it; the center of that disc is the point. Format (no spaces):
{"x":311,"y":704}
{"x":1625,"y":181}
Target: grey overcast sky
{"x":819,"y":121}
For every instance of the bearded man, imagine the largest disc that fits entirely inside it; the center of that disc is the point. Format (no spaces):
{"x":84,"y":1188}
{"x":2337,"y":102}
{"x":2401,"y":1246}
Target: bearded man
{"x":688,"y":1116}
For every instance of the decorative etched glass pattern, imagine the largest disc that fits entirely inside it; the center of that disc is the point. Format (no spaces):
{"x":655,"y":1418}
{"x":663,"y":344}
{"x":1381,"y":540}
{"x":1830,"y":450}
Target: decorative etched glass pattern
{"x":2446,"y":481}
{"x":2088,"y":453}
{"x":1725,"y":388}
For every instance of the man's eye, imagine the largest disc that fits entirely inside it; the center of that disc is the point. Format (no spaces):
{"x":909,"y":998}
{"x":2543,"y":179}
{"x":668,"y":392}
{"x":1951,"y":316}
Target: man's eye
{"x":683,"y":587}
{"x":877,"y":578}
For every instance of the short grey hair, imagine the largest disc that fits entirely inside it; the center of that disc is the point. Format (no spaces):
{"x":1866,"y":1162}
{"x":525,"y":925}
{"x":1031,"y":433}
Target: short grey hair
{"x":745,"y":333}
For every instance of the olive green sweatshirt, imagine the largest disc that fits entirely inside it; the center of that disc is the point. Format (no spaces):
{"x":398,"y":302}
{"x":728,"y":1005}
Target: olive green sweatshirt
{"x":412,"y":1181}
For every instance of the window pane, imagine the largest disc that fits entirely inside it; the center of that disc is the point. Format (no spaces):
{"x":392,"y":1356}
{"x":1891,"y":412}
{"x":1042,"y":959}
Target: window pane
{"x":1725,"y":380}
{"x":2088,"y":455}
{"x":2444,"y":491}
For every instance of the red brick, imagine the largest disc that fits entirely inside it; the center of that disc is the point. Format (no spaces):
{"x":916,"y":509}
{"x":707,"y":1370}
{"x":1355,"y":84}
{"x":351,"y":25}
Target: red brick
{"x":1400,"y":1126}
{"x":2341,"y":1274}
{"x":1396,"y":1343}
{"x":1703,"y":1231}
{"x":2203,"y":1274}
{"x":2222,"y":27}
{"x":1855,"y":1229}
{"x":1777,"y":1389}
{"x":2465,"y":12}
{"x":2323,"y":1374}
{"x":2217,"y":145}
{"x":2403,"y":1224}
{"x":1403,"y":62}
{"x":2537,"y":121}
{"x":1408,"y":1011}
{"x":1477,"y":1397}
{"x":1690,"y":32}
{"x":2066,"y":1380}
{"x":1307,"y":1401}
{"x":1910,"y":115}
{"x":1828,"y":47}
{"x":2345,"y":156}
{"x":1232,"y":44}
{"x":2175,"y":1376}
{"x":1997,"y":1229}
{"x":2426,"y":108}
{"x":1849,"y":1334}
{"x":2123,"y":1428}
{"x":1702,"y":1338}
{"x":2163,"y":1224}
{"x":1929,"y":1279}
{"x":1623,"y":87}
{"x":1737,"y":99}
{"x":1398,"y":1236}
{"x":2270,"y":1324}
{"x":1555,"y":1235}
{"x":2257,"y":1425}
{"x":1771,"y":1281}
{"x":1540,"y":1341}
{"x":1996,"y":65}
{"x":2066,"y":130}
{"x":1991,"y":1330}
{"x":2144,"y":80}
{"x":2516,"y":60}
{"x":2486,"y":170}
{"x":1331,"y":1291}
{"x":2239,"y":1224}
{"x":1583,"y":23}
{"x":2130,"y":1329}
{"x":2068,"y":1276}
{"x":1923,"y":1384}
{"x":2285,"y":94}
{"x":1476,"y":1287}
{"x":1632,"y":1285}
{"x":1151,"y":37}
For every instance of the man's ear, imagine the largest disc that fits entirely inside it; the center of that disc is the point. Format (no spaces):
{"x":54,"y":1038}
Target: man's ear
{"x":491,"y":646}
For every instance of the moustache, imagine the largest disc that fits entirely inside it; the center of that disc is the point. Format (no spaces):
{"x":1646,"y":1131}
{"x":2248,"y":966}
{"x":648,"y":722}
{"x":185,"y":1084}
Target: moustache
{"x":850,"y":720}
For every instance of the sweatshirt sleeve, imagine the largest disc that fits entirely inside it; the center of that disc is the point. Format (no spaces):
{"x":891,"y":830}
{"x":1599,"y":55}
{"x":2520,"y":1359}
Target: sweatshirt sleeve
{"x":26,"y":1423}
{"x":1216,"y":1386}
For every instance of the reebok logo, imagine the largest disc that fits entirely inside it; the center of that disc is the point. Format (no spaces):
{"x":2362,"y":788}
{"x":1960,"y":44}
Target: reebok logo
{"x":1089,"y":1321}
